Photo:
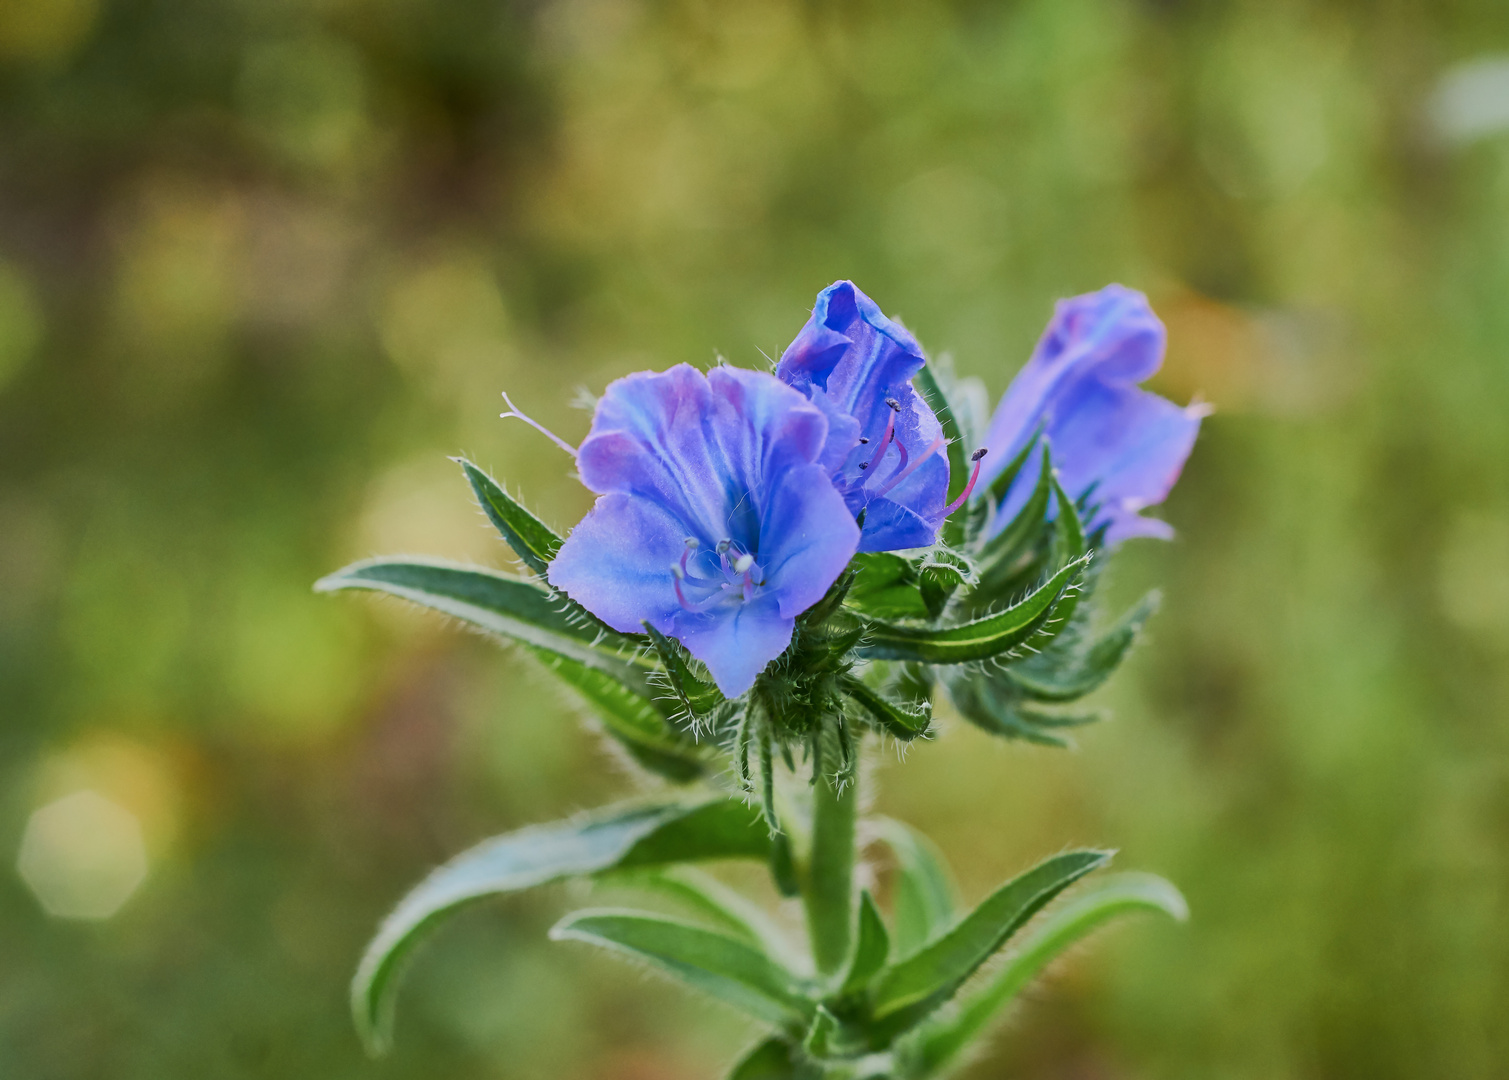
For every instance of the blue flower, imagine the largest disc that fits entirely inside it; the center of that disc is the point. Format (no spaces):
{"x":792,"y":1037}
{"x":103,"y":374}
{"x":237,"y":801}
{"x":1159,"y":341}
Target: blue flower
{"x":715,"y":524}
{"x":1122,"y":445}
{"x":885,"y":448}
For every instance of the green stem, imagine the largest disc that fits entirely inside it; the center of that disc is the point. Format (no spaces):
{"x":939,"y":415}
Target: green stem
{"x":829,"y":891}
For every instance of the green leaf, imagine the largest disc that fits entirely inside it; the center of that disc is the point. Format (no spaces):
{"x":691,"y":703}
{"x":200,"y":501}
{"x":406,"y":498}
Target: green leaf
{"x":1054,"y":677}
{"x":981,"y":639}
{"x":872,"y":946}
{"x":940,"y":1043}
{"x":501,"y":604}
{"x":904,"y":722}
{"x":705,"y":895}
{"x":1001,"y":556}
{"x":775,"y":1059}
{"x":716,"y":964}
{"x":909,"y":990}
{"x":697,"y":696}
{"x":924,"y":896}
{"x":983,"y":701}
{"x":886,"y":586}
{"x":633,"y":836}
{"x":534,"y":542}
{"x":632,"y":718}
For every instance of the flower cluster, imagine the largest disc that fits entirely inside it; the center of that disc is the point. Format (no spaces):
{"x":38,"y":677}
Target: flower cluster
{"x":778,"y":564}
{"x":731,"y":502}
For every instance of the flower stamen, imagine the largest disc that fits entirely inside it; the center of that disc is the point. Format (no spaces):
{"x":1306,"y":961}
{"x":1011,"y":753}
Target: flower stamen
{"x":515,"y":413}
{"x":974,"y":476}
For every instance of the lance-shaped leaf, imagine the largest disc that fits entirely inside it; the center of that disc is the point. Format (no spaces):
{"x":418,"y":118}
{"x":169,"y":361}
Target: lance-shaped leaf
{"x":534,"y":542}
{"x":872,"y":946}
{"x":902,"y":721}
{"x":631,"y":718}
{"x":981,"y":639}
{"x":500,"y":604}
{"x":912,"y":988}
{"x":995,"y":707}
{"x":1002,"y":558}
{"x":1051,"y":676}
{"x":697,"y":696}
{"x":940,"y":1042}
{"x":775,"y":1059}
{"x":923,"y":894}
{"x":626,"y":837}
{"x":721,"y":966}
{"x":706,"y":896}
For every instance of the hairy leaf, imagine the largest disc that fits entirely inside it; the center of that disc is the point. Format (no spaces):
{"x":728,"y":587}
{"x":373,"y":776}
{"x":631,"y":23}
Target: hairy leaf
{"x":940,"y":1042}
{"x":534,"y":542}
{"x":631,"y":836}
{"x":1055,"y":677}
{"x":632,"y":718}
{"x":501,"y":604}
{"x":910,"y":989}
{"x":705,"y":895}
{"x":721,"y":966}
{"x":981,"y":639}
{"x":697,"y":696}
{"x":902,"y":721}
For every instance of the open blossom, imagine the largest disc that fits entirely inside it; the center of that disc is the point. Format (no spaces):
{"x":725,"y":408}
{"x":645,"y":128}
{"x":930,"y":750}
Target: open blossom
{"x":885,"y":448}
{"x":1123,"y":445}
{"x":716,"y":523}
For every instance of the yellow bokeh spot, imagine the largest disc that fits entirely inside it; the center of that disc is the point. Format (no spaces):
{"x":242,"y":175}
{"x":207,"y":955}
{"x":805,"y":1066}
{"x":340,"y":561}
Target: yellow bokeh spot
{"x":45,"y":29}
{"x":82,"y":856}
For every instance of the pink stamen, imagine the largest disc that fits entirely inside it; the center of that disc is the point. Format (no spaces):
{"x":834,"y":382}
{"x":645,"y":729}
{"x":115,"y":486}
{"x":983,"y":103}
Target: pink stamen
{"x":513,"y":411}
{"x":964,"y":495}
{"x":902,"y":474}
{"x":890,"y":429}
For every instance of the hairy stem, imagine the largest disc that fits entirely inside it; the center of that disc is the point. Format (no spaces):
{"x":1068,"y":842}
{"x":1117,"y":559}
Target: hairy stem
{"x":828,"y":891}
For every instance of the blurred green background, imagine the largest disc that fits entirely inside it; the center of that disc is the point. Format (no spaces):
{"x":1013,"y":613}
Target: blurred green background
{"x":265,"y":263}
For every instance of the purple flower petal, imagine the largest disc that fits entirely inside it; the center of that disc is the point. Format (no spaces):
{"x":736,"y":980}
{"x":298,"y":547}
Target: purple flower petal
{"x":1079,"y":390}
{"x":716,"y":524}
{"x":856,"y":365}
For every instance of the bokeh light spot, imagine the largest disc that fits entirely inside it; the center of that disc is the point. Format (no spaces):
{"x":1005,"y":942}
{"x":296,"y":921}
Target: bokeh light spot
{"x":82,"y":856}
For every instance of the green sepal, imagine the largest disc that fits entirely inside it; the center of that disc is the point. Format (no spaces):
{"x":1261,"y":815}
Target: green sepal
{"x":908,"y":991}
{"x":534,"y":542}
{"x":923,"y":896}
{"x":927,"y":383}
{"x":504,"y":605}
{"x":939,"y":1042}
{"x":886,"y":586}
{"x":904,"y":722}
{"x":942,"y":571}
{"x":1001,"y":558}
{"x":639,"y":835}
{"x":695,"y":694}
{"x":632,"y":718}
{"x":720,"y":966}
{"x":982,"y":639}
{"x":1055,"y":676}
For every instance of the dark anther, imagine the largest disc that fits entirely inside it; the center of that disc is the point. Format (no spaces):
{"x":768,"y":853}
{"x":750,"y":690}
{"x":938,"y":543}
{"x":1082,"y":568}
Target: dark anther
{"x":864,"y":464}
{"x":978,"y":454}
